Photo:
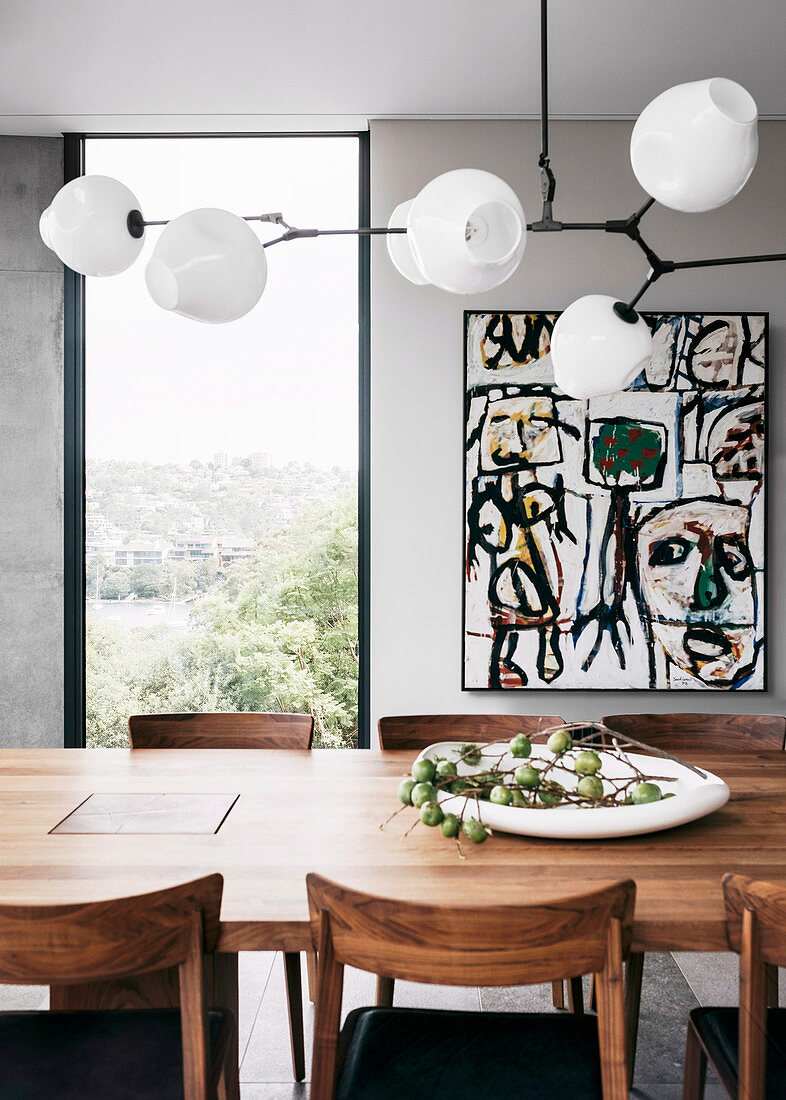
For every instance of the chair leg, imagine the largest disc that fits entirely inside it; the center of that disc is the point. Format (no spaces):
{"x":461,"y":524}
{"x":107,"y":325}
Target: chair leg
{"x":385,"y":987}
{"x":311,"y":971}
{"x":576,"y":996}
{"x":228,"y":1084}
{"x":224,"y":992}
{"x":295,"y":1010}
{"x":772,"y":986}
{"x":695,"y":1067}
{"x":575,"y":999}
{"x":633,"y":973}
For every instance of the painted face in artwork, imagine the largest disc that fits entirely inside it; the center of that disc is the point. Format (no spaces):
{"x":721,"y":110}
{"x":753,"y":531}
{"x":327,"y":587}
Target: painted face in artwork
{"x":697,"y":581}
{"x":520,"y":431}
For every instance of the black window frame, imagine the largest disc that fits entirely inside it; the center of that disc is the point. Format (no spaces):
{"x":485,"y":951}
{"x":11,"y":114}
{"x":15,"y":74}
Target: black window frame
{"x":74,"y":716}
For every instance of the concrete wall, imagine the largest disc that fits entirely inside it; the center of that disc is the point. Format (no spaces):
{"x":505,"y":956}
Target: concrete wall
{"x":417,"y":384}
{"x":31,"y":449}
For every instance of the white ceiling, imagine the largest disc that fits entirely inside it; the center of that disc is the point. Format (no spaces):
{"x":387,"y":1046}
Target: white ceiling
{"x":152,"y":65}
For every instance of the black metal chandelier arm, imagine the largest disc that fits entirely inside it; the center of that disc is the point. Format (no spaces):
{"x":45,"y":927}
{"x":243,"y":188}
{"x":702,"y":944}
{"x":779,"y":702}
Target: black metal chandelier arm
{"x":723,"y":261}
{"x":627,"y":310}
{"x":643,"y":209}
{"x":629,"y":226}
{"x":137,"y":224}
{"x":599,"y":226}
{"x":293,"y":234}
{"x":666,"y":267}
{"x":653,"y":259}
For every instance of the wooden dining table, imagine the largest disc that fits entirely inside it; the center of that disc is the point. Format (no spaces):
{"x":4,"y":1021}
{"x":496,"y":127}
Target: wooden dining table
{"x":288,"y":812}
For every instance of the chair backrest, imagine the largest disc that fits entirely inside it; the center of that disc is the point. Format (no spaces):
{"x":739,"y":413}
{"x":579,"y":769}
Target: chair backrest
{"x":229,"y":730}
{"x":472,"y":945}
{"x":756,"y":930}
{"x":416,"y":731}
{"x":683,"y":732}
{"x":71,"y":944}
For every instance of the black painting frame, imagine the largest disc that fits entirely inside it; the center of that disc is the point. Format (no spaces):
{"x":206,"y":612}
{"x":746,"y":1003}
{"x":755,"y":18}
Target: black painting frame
{"x":766,"y":525}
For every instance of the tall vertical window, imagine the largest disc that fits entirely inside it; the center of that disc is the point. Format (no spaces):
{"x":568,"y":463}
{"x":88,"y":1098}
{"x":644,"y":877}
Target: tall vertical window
{"x":221,"y":525}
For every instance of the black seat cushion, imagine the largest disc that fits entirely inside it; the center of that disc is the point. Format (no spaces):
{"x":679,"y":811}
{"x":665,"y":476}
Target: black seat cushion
{"x":718,"y":1030}
{"x":122,"y":1055}
{"x":391,"y":1053}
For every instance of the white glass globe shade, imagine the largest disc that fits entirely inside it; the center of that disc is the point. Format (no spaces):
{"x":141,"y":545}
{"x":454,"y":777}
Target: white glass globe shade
{"x":694,"y":147}
{"x":467,"y":230}
{"x":208,"y":265}
{"x":86,"y":225}
{"x":593,"y":351}
{"x":43,"y":229}
{"x":399,"y":248}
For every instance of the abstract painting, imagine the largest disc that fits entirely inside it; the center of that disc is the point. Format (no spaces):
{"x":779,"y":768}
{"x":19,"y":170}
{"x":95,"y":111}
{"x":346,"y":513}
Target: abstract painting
{"x":616,"y":543}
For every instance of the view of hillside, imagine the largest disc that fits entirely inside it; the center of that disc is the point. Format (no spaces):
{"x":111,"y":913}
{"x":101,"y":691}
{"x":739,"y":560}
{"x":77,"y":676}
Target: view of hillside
{"x":245,"y":497}
{"x":229,"y":585}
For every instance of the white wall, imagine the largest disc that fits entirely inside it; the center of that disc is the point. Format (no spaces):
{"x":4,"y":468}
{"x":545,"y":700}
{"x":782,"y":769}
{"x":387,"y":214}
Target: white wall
{"x":417,"y":384}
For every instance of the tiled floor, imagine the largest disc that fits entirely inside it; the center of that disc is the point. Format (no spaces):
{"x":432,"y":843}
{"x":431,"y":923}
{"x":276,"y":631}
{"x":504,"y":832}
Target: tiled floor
{"x":672,"y":986}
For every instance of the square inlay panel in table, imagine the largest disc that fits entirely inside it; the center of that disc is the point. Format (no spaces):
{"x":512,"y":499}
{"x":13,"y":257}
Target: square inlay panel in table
{"x":148,"y":813}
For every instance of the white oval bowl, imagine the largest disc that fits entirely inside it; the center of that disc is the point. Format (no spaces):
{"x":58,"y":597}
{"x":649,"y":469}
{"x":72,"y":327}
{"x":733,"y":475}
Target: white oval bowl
{"x":694,"y":797}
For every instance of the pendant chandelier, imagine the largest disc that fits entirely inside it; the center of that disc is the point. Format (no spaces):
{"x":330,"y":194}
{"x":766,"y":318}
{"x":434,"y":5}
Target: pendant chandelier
{"x":692,"y":149}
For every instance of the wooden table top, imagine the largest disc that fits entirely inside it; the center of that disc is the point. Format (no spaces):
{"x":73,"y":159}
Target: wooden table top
{"x":320,"y":811}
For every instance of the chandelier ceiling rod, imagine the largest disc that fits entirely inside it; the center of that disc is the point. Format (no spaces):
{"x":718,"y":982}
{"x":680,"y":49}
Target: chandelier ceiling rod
{"x":544,"y":83}
{"x":137,"y":224}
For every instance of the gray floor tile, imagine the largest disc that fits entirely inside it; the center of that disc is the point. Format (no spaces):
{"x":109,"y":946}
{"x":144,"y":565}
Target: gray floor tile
{"x":254,"y":969}
{"x":23,"y":998}
{"x":666,"y":1000}
{"x":712,"y":976}
{"x":520,"y":998}
{"x":267,"y":1057}
{"x":360,"y":991}
{"x":672,"y":1092}
{"x":294,"y":1091}
{"x":457,"y":998}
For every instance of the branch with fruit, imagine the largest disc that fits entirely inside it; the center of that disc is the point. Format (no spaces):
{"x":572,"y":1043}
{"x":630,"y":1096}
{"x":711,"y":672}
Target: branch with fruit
{"x":529,"y":784}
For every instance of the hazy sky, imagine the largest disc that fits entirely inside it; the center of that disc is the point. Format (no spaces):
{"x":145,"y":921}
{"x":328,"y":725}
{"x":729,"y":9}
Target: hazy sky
{"x":282,"y":379}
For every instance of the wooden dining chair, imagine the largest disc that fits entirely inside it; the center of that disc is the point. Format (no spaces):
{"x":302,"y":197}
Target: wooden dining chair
{"x":240,"y":730}
{"x":225,"y":730}
{"x":746,"y":1046}
{"x":387,"y":1053}
{"x":92,"y":1055}
{"x":678,"y":733}
{"x":418,"y":731}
